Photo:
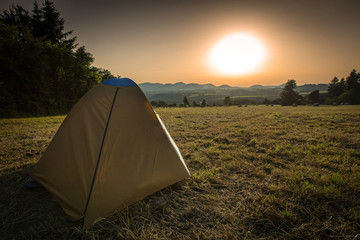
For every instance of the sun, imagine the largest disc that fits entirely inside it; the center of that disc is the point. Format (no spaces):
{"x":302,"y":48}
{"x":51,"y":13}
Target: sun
{"x":237,"y":54}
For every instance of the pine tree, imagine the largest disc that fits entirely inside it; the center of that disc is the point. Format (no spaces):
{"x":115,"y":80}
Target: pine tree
{"x":16,"y":15}
{"x":352,"y":89}
{"x":353,"y":81}
{"x":47,"y":24}
{"x":336,"y":87}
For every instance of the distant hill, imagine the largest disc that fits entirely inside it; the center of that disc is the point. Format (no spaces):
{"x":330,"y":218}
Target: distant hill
{"x":308,"y":88}
{"x":180,"y":86}
{"x":174,"y":93}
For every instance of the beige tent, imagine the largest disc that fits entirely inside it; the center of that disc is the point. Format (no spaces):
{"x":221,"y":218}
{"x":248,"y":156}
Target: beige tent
{"x":111,"y":151}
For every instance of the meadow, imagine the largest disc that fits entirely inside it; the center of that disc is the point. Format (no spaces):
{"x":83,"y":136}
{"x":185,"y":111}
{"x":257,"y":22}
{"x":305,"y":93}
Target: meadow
{"x":258,"y":172}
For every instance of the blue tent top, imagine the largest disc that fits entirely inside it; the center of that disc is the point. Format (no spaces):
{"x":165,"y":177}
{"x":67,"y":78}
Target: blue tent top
{"x":120,"y":82}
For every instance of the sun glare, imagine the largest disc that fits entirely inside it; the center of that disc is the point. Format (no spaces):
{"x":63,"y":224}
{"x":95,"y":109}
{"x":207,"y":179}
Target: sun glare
{"x":237,"y":54}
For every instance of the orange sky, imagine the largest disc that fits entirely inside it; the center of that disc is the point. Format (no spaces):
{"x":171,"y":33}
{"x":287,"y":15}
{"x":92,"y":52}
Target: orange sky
{"x":167,"y":41}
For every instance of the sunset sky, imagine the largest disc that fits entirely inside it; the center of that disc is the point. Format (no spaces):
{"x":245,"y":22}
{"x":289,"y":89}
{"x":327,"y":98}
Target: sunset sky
{"x":169,"y":41}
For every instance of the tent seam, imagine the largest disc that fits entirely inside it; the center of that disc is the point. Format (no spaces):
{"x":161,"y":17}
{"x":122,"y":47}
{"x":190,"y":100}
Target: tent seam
{"x":100,"y":152}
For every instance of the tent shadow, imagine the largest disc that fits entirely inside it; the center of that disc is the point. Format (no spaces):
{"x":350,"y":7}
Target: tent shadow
{"x":35,"y":214}
{"x":27,"y":212}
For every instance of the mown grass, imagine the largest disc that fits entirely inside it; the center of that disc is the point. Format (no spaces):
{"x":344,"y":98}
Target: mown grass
{"x":257,"y":173}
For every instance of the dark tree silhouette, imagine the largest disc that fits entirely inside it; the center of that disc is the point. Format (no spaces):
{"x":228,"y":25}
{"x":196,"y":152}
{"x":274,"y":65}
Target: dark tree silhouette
{"x":16,"y":15}
{"x":162,"y":104}
{"x":104,"y":73}
{"x":266,"y":101}
{"x":48,"y":24}
{"x":346,"y":91}
{"x":41,"y":69}
{"x":336,"y":87}
{"x":186,"y":102}
{"x":288,"y":95}
{"x":227,"y":101}
{"x":352,"y":89}
{"x":314,"y":96}
{"x":353,"y":81}
{"x":203,"y":103}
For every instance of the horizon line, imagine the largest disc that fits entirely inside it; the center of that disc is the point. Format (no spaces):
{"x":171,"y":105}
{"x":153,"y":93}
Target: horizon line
{"x":274,"y":85}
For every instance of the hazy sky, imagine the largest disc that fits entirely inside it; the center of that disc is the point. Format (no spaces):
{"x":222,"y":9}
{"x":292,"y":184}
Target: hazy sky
{"x":168,"y":41}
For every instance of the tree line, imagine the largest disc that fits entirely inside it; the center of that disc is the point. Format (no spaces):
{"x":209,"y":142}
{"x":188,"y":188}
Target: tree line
{"x":184,"y":104}
{"x":42,"y":69}
{"x":346,"y":91}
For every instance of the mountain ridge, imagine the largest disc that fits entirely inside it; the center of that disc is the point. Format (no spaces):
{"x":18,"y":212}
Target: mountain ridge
{"x":175,"y":92}
{"x":180,"y":86}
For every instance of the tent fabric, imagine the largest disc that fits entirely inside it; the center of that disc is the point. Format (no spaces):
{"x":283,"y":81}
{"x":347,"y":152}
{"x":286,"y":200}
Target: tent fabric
{"x":111,"y":151}
{"x":120,"y":82}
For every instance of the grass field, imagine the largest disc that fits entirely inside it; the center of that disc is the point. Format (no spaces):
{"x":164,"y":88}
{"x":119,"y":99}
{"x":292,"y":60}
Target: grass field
{"x":257,"y":173}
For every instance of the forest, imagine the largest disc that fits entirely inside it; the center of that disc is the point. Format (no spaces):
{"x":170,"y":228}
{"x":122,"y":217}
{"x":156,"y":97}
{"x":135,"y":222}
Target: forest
{"x":42,"y":69}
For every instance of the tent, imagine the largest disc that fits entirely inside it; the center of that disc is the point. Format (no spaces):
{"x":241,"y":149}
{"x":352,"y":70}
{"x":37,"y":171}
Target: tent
{"x":111,"y":151}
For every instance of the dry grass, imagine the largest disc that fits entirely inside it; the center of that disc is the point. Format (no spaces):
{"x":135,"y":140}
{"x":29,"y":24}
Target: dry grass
{"x":257,"y":173}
